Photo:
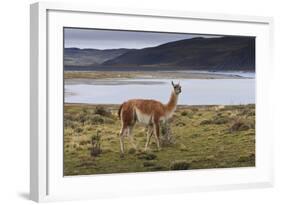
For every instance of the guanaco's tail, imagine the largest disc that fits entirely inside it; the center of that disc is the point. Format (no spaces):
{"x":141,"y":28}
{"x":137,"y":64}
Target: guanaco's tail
{"x":119,"y":111}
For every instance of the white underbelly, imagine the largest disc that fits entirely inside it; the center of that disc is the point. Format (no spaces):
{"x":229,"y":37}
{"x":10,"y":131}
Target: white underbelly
{"x":143,"y":118}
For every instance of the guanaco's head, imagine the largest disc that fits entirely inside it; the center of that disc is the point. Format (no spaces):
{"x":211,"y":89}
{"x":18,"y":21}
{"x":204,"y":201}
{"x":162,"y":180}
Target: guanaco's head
{"x":177,"y":88}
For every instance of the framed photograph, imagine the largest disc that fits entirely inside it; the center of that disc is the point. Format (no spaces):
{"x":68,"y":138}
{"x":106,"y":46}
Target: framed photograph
{"x":128,"y":102}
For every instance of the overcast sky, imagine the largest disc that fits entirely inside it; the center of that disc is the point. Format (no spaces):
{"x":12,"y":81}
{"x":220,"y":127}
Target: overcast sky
{"x":107,"y":39}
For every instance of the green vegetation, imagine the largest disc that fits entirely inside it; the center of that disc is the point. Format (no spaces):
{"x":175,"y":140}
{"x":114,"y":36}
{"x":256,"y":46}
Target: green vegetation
{"x":200,"y":137}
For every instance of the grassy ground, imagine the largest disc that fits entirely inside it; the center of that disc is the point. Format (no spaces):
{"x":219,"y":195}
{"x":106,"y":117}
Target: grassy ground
{"x":202,"y":137}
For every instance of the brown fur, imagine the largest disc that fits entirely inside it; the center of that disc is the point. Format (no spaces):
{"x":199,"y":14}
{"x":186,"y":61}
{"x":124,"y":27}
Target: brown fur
{"x":172,"y":103}
{"x":153,"y":107}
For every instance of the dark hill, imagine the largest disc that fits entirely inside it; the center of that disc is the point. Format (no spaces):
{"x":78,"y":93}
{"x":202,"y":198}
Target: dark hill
{"x":90,"y":57}
{"x":225,"y":53}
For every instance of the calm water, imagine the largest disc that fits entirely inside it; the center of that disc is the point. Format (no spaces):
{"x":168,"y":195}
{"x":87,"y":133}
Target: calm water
{"x":194,"y":91}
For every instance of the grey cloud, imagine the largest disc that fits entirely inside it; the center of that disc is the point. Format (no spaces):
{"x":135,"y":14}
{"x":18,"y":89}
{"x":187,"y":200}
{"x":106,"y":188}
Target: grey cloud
{"x":107,"y":39}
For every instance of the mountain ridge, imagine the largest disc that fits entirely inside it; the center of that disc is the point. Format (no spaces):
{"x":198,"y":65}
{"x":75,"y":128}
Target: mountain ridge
{"x":90,"y":57}
{"x":224,"y":53}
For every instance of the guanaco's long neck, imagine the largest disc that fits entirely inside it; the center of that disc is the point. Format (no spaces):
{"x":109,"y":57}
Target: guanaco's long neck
{"x":172,"y":104}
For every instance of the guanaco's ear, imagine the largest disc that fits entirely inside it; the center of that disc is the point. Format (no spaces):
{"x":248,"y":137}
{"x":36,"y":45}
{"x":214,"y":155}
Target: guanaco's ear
{"x":173,"y":84}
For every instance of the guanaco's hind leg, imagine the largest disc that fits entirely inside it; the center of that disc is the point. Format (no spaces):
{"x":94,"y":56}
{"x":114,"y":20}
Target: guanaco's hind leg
{"x":156,"y":127}
{"x":121,"y":137}
{"x":130,"y":136}
{"x":128,"y":119}
{"x":148,"y":136}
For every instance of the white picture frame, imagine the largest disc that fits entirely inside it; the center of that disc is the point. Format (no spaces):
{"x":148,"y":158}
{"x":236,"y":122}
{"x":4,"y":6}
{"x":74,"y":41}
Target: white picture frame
{"x":46,"y":179}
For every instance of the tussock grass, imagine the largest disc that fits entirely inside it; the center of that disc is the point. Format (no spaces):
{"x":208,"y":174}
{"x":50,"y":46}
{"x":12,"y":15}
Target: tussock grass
{"x":241,"y":124}
{"x":100,"y":110}
{"x":132,"y":150}
{"x":147,"y":156}
{"x":247,"y":158}
{"x":180,"y":165}
{"x":149,"y":163}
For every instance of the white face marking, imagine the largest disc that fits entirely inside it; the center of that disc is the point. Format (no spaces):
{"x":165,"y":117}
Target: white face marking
{"x":143,"y":118}
{"x":177,"y":88}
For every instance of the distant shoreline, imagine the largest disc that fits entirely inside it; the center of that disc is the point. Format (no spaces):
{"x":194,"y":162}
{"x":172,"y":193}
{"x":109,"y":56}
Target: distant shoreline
{"x":179,"y":107}
{"x":186,"y":74}
{"x":152,"y":68}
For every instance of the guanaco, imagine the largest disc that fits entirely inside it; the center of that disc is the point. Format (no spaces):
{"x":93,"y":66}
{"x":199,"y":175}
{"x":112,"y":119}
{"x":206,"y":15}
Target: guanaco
{"x":148,"y":112}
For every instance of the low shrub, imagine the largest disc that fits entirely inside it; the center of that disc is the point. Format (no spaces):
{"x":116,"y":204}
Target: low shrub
{"x":210,"y":157}
{"x":96,"y":119}
{"x":84,"y":142}
{"x":217,"y":120}
{"x":187,"y":114}
{"x":78,"y":129}
{"x":183,"y":147}
{"x":205,"y":122}
{"x":241,"y":124}
{"x":148,"y":163}
{"x":180,"y":124}
{"x":78,"y":117}
{"x":157,"y":168}
{"x":69,"y":116}
{"x":132,"y":151}
{"x":180,"y":165}
{"x":107,"y":150}
{"x":108,"y":120}
{"x":147,"y":156}
{"x":68,"y":123}
{"x":220,"y":119}
{"x":183,"y":113}
{"x":194,"y":109}
{"x":96,"y":149}
{"x":166,"y":135}
{"x":210,"y":138}
{"x":73,"y":125}
{"x":100,"y":110}
{"x":246,"y":158}
{"x":195,"y":135}
{"x":247,"y":112}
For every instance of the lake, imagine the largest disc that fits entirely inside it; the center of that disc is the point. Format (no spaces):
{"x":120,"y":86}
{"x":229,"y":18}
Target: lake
{"x":194,"y":91}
